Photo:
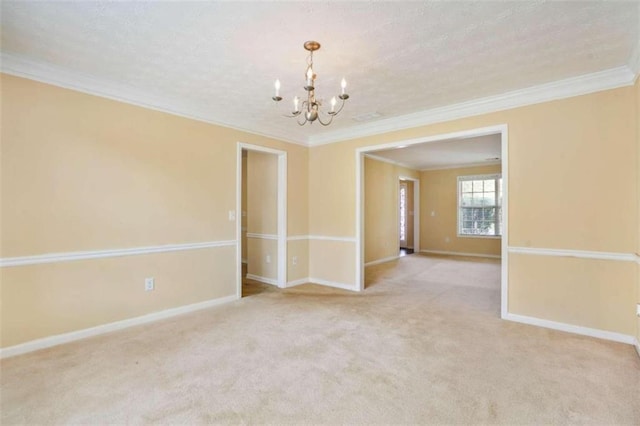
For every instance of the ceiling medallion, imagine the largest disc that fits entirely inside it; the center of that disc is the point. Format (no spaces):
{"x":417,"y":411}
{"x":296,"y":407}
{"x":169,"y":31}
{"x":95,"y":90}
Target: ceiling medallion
{"x":311,"y":106}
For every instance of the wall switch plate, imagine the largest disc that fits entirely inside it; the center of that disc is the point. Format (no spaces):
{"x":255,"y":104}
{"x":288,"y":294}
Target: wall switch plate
{"x":638,"y":309}
{"x":294,"y":260}
{"x":232,"y":215}
{"x":268,"y":259}
{"x":149,"y":284}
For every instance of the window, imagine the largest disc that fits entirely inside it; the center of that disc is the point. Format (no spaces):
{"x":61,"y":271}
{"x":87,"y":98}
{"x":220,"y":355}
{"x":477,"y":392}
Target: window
{"x":480,"y":205}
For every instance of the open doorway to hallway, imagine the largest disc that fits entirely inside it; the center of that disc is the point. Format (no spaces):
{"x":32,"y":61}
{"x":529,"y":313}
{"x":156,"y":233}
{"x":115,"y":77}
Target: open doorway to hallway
{"x":261,"y":222}
{"x":408,"y":220}
{"x":462,"y":198}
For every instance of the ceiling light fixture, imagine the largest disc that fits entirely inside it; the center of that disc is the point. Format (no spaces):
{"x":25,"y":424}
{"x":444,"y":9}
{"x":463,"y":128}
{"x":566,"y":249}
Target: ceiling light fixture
{"x":311,"y":106}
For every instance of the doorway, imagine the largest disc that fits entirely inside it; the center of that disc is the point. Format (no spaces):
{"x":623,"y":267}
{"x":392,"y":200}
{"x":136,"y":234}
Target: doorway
{"x":261,"y":202}
{"x":501,"y":131}
{"x":408,"y":215}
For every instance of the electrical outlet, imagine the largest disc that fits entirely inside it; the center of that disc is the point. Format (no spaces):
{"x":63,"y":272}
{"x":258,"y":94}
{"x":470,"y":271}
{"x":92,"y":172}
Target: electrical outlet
{"x":149,"y":284}
{"x":294,"y":260}
{"x":268,"y":259}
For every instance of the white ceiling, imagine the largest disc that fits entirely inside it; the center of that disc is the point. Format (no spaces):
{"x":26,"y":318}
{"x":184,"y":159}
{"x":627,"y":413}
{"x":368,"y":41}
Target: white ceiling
{"x":217,"y":61}
{"x":477,"y":151}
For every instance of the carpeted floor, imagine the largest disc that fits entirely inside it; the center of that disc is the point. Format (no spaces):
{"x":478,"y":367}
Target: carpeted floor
{"x":423,"y":344}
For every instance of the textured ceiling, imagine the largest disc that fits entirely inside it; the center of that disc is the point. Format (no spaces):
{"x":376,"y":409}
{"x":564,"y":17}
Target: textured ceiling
{"x":221,"y":58}
{"x":479,"y":150}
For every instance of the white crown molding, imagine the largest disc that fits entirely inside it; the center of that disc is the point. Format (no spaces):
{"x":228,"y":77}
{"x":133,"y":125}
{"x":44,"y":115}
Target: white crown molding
{"x":100,"y":254}
{"x":262,"y":236}
{"x":59,"y":339}
{"x":50,"y":74}
{"x":570,"y":328}
{"x":463,"y":166}
{"x":604,"y":80}
{"x":575,"y":86}
{"x":581,"y":254}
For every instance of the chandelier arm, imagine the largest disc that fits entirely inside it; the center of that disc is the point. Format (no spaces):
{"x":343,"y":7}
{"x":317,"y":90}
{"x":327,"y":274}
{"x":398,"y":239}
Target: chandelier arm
{"x":339,"y":109}
{"x":322,"y":122}
{"x":301,"y":123}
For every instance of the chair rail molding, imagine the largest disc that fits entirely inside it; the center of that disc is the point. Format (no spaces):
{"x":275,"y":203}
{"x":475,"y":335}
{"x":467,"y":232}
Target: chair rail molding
{"x":100,"y":254}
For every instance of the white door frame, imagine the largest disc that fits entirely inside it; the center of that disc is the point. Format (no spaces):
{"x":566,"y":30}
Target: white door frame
{"x":282,"y":213}
{"x":416,"y":211}
{"x":501,"y":129}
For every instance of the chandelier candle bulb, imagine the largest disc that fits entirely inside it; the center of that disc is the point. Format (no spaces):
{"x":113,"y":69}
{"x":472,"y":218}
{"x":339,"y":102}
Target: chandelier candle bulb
{"x":343,"y":85}
{"x":277,"y":96}
{"x":296,"y":100}
{"x":333,"y":103}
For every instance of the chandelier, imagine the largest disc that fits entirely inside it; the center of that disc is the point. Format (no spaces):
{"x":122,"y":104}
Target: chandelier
{"x":311,"y":106}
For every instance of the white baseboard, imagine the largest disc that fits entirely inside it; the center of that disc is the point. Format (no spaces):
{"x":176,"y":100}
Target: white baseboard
{"x":265,"y":280}
{"x":457,"y":253}
{"x":60,"y":339}
{"x":383,"y":260}
{"x":298,"y":282}
{"x":570,"y":328}
{"x":335,"y":284}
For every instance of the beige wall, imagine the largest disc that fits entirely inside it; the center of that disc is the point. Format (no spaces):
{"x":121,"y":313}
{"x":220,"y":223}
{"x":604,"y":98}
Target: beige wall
{"x":331,"y":262}
{"x":439,"y":194}
{"x":572,"y":185}
{"x":262,"y":214}
{"x":381,"y":184}
{"x":85,"y":173}
{"x":603,"y":297}
{"x":54,"y":298}
{"x":82,"y":173}
{"x":298,"y":268}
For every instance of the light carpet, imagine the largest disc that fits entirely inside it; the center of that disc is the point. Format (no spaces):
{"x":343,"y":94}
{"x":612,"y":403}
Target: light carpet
{"x":423,"y":344}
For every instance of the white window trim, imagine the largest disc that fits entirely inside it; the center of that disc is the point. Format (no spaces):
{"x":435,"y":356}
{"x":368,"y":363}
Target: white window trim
{"x":475,"y":177}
